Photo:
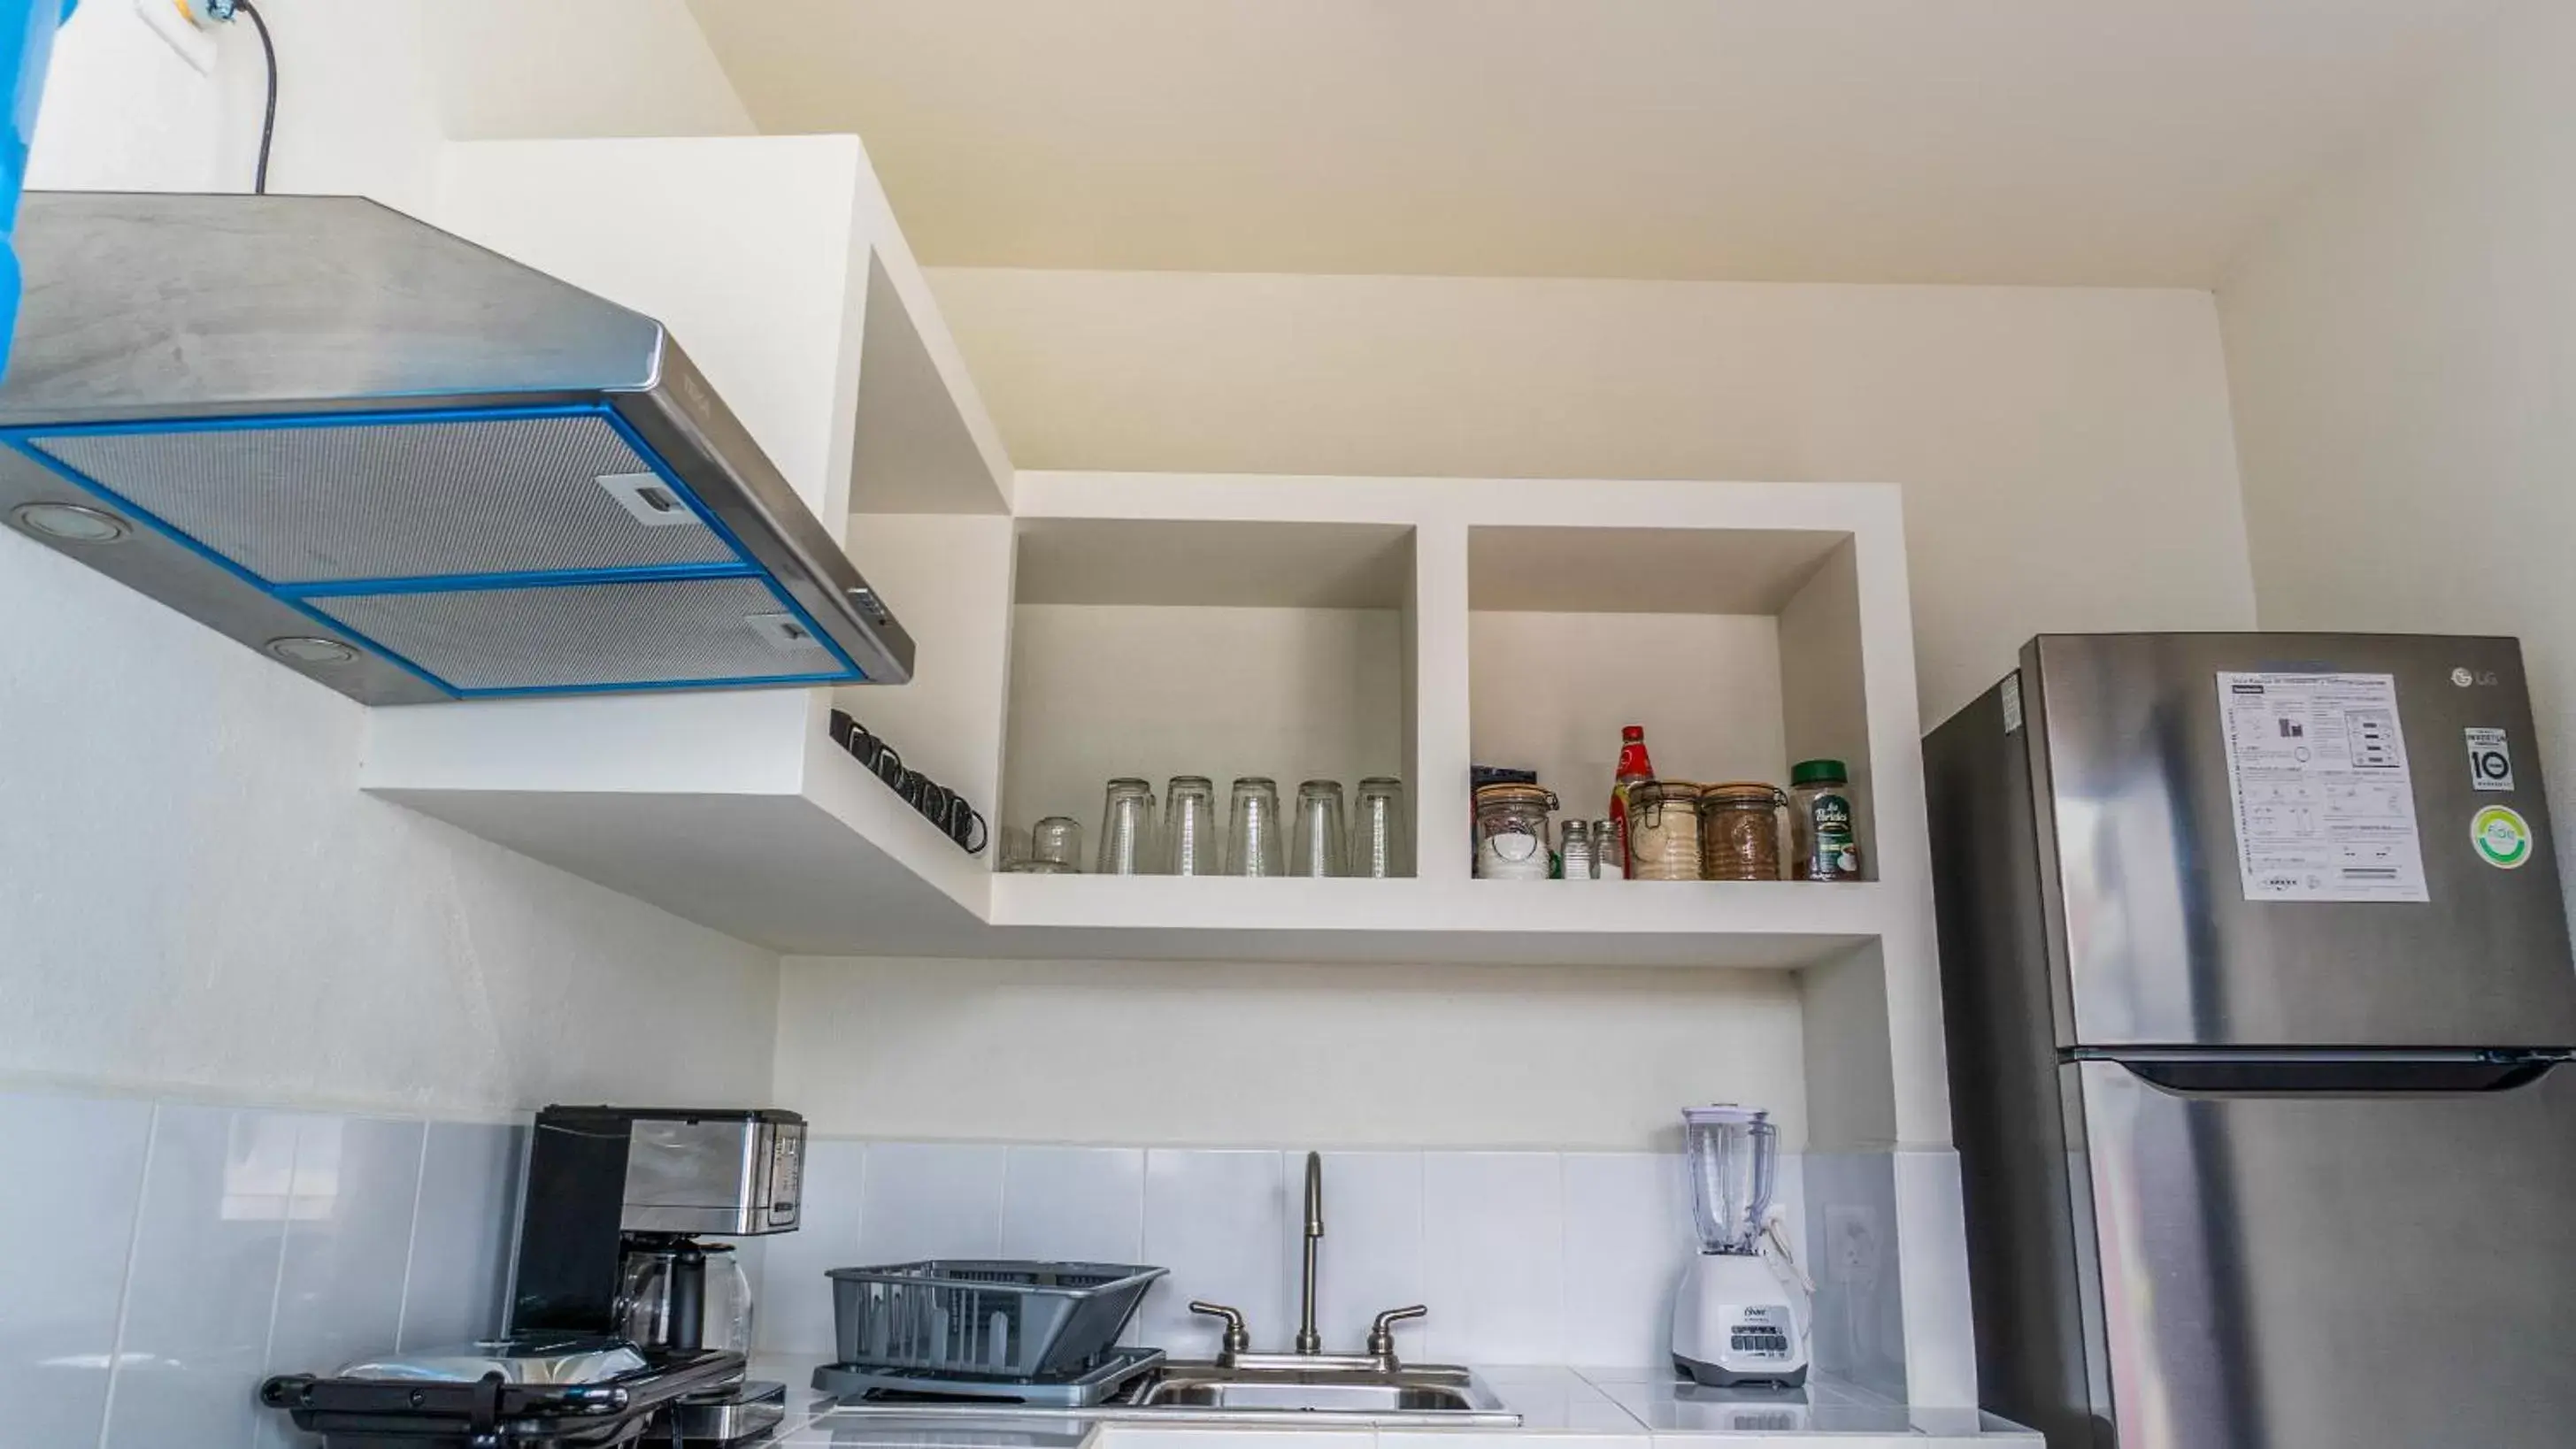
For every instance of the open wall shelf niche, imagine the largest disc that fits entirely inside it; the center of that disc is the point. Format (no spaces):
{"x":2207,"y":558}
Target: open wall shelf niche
{"x":1295,"y":627}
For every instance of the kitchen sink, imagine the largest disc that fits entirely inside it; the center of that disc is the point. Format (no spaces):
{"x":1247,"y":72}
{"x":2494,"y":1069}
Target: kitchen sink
{"x":1414,"y":1389}
{"x":1275,"y":1392}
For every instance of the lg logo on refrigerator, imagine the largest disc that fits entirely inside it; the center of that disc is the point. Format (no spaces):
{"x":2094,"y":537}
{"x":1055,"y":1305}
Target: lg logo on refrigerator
{"x":2464,"y":677}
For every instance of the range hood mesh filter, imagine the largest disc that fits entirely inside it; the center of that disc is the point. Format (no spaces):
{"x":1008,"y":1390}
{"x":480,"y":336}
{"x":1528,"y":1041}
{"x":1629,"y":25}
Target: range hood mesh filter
{"x":693,"y":631}
{"x":321,"y":503}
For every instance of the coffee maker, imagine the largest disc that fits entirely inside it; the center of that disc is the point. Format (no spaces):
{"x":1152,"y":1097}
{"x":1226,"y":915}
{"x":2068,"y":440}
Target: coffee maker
{"x":617,"y":1202}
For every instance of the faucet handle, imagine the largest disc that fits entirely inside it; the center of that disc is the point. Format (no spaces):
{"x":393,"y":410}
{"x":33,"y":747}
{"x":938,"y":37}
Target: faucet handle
{"x":1381,"y":1339}
{"x":1238,"y":1339}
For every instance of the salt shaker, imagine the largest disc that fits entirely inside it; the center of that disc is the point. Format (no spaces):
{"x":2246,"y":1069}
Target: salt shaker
{"x":1609,"y":852}
{"x":1577,"y":850}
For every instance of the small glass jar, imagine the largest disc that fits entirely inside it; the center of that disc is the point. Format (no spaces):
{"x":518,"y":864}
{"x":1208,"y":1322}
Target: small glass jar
{"x":1827,"y":841}
{"x":1512,"y":832}
{"x":1663,"y":830}
{"x":1739,"y":831}
{"x":1055,"y":845}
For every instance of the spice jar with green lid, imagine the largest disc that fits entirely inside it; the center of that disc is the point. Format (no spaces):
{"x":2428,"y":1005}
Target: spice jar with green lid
{"x":1821,"y":828}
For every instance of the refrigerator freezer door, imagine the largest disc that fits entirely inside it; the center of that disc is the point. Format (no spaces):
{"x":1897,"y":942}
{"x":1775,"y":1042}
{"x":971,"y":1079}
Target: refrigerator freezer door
{"x":2362,"y":1271}
{"x":2151,"y":936}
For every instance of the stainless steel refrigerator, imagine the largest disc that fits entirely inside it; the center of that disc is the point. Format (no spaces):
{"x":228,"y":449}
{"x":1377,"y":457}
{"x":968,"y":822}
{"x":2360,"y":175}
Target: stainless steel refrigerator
{"x":2255,"y":975}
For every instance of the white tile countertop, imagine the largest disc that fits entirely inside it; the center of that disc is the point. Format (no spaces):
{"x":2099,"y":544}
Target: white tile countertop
{"x":1560,"y":1408}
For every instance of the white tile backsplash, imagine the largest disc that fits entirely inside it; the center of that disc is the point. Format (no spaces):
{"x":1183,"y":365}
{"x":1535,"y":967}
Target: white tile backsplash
{"x":1074,"y":1204}
{"x":793,"y":1304}
{"x":1522,"y":1257}
{"x":1493,"y":1227}
{"x":189,"y":1250}
{"x":71,"y":1170}
{"x":460,"y":1244}
{"x":348,"y":1241}
{"x":1215,"y":1219}
{"x":202,"y":1289}
{"x":1936,"y":1288}
{"x":1859,"y":1331}
{"x":1627,"y":1236}
{"x":347,"y":1248}
{"x":931,"y":1200}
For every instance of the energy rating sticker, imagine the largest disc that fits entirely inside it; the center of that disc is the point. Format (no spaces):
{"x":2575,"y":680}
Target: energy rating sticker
{"x":2502,"y":838}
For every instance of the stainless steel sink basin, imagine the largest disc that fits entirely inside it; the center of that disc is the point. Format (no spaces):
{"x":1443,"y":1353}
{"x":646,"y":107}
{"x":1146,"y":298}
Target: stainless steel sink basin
{"x":1270,"y":1394}
{"x":1414,"y":1389}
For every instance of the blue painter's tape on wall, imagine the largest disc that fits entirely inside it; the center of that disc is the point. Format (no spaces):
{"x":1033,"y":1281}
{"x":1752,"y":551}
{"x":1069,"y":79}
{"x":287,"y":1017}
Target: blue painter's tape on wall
{"x":26,"y":45}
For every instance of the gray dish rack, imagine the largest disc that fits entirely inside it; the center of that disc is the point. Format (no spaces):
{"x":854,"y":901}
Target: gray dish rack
{"x":994,"y":1318}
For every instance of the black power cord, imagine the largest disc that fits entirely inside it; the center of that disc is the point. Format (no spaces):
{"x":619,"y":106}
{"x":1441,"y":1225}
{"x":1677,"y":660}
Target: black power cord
{"x":945,"y":808}
{"x":225,"y":10}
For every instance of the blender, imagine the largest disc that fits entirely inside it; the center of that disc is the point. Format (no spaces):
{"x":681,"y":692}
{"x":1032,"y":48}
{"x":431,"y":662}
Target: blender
{"x":1741,"y":1316}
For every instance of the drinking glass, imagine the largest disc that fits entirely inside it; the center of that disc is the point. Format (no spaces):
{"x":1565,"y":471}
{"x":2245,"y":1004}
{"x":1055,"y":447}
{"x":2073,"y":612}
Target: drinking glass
{"x":1126,"y":828}
{"x":1252,"y":843}
{"x":1189,"y":844}
{"x":1378,"y":841}
{"x":1056,"y":842}
{"x":1318,"y":841}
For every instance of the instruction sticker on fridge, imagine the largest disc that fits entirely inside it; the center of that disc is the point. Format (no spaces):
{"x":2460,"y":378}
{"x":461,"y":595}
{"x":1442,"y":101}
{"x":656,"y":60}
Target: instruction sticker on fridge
{"x":2325,"y":803}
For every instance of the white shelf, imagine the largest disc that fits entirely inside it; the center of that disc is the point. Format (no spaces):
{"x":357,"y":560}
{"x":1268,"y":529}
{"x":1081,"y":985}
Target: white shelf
{"x":1780,"y":925}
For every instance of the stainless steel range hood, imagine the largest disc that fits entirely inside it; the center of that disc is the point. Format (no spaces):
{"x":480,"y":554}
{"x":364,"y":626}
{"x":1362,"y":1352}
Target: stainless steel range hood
{"x":402,"y":465}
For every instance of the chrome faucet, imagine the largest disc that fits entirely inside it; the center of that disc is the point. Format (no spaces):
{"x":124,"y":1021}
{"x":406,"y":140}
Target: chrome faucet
{"x":1235,"y":1350}
{"x":1309,"y":1342}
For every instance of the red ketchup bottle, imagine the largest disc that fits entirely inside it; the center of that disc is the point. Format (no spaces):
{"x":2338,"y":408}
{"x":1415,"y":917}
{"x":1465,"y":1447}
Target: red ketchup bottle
{"x":1634,"y":769}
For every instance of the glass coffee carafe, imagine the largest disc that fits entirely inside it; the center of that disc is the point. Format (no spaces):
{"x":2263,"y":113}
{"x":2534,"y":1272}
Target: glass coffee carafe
{"x":684,"y":1294}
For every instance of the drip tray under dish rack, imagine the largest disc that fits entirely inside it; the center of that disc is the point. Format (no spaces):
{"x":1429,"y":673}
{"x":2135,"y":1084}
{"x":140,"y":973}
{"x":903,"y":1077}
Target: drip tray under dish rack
{"x":1095,"y":1385}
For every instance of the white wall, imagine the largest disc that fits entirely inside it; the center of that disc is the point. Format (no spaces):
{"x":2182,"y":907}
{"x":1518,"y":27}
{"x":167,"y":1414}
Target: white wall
{"x":194,"y":897}
{"x":366,"y":91}
{"x":2066,"y":453}
{"x":1206,"y":1054}
{"x":2399,"y":343}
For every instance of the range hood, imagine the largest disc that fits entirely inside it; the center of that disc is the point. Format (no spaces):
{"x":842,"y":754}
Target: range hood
{"x":402,"y":465}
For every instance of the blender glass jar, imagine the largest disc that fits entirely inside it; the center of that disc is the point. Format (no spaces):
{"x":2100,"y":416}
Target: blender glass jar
{"x":1732,"y":1159}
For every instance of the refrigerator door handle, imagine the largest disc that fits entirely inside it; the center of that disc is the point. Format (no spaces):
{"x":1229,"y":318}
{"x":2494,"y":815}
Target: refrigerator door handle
{"x":2307,"y":1075}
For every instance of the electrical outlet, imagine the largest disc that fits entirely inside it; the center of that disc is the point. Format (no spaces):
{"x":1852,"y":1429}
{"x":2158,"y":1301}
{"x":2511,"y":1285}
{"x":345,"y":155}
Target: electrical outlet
{"x":185,"y":26}
{"x":1855,"y":1242}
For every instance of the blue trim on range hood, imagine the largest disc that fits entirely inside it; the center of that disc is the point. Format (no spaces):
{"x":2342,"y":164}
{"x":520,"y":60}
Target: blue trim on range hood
{"x":25,"y":439}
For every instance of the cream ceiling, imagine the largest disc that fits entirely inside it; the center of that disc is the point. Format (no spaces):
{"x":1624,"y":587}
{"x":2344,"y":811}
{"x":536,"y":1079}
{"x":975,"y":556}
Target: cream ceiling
{"x":2081,"y":141}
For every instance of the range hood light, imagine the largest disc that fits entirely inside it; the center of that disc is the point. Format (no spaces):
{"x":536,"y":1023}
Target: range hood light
{"x":71,"y":522}
{"x":304,"y":649}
